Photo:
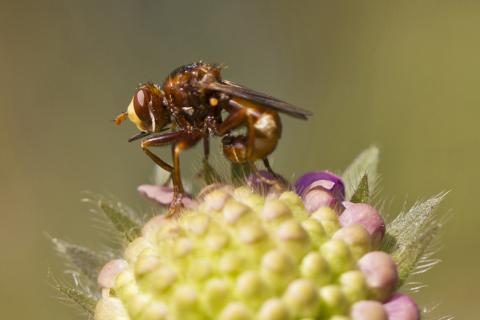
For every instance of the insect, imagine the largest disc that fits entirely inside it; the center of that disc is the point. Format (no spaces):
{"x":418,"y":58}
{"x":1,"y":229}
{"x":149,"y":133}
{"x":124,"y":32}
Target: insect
{"x":195,"y":103}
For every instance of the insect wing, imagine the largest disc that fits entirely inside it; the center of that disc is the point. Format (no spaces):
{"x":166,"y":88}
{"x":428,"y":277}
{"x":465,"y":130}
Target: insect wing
{"x":237,"y":90}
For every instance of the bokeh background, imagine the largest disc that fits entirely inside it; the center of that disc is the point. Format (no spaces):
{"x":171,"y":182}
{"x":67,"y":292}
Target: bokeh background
{"x":403,"y":75}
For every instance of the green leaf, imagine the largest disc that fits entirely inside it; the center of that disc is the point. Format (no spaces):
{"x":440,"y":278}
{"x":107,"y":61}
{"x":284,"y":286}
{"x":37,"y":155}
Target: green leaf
{"x":365,"y":163}
{"x":121,"y":220}
{"x":410,"y":238}
{"x":239,"y":172}
{"x":361,"y":195}
{"x":82,"y":299}
{"x":82,"y":259}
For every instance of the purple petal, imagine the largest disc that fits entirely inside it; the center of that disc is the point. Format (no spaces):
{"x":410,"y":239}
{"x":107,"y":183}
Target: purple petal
{"x":401,"y":307}
{"x":163,"y":195}
{"x":365,"y":215}
{"x":380,"y":273}
{"x":321,"y":189}
{"x":324,"y":179}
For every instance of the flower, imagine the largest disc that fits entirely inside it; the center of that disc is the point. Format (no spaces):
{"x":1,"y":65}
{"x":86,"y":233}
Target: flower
{"x":237,"y":254}
{"x":258,"y":251}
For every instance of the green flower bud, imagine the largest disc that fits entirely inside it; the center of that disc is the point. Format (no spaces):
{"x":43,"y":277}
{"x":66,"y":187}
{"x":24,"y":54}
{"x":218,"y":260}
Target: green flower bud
{"x":333,"y":299}
{"x":316,"y":231}
{"x":337,"y":317}
{"x":236,"y":311}
{"x":338,"y":256}
{"x":302,"y":298}
{"x":215,"y":296}
{"x":357,"y":238}
{"x":328,"y":218}
{"x":273,"y":309}
{"x":316,"y":268}
{"x":354,"y":286}
{"x":110,"y":308}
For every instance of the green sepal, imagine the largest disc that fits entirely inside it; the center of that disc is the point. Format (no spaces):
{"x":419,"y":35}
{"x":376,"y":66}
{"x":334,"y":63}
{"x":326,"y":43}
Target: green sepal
{"x":82,"y":299}
{"x":209,"y":174}
{"x":126,"y":225}
{"x":83,"y":260}
{"x":361,"y":194}
{"x":239,"y":172}
{"x":410,"y":238}
{"x":365,"y":163}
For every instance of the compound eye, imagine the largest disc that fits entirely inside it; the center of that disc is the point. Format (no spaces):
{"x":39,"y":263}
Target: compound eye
{"x":141,"y":100}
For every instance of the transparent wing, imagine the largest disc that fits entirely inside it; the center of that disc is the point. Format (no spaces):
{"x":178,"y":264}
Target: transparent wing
{"x":240,"y":91}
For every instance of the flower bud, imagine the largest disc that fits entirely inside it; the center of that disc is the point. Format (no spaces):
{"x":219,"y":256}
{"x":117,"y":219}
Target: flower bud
{"x":215,"y":296}
{"x":302,"y":298}
{"x":333,"y":300}
{"x":110,"y":308}
{"x":338,"y":256}
{"x":357,"y":238}
{"x":320,"y":189}
{"x":109,"y":272}
{"x":235,"y":311}
{"x":354,"y":285}
{"x":328,"y":218}
{"x":365,"y":215}
{"x":316,"y":268}
{"x":380,"y":273}
{"x":273,"y":309}
{"x":368,"y":310}
{"x":401,"y":307}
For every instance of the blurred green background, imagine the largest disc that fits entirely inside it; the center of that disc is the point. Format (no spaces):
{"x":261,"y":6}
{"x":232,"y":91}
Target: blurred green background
{"x":404,"y":75}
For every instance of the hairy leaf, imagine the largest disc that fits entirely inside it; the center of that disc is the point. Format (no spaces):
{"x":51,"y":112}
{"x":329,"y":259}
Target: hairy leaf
{"x":410,"y":238}
{"x":366,"y":163}
{"x":82,"y":259}
{"x":121,"y":220}
{"x":239,"y":172}
{"x":76,"y":295}
{"x":361,"y":194}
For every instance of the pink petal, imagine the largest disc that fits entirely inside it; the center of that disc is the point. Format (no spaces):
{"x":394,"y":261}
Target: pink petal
{"x":163,"y":195}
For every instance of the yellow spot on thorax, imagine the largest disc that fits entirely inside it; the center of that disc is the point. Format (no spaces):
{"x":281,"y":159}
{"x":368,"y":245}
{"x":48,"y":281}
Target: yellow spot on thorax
{"x":213,"y":102}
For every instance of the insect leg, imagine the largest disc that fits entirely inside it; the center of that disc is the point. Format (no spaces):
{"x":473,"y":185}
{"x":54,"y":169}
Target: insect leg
{"x":278,"y":180}
{"x":266,"y":163}
{"x":239,"y":109}
{"x":277,"y":183}
{"x":235,"y":118}
{"x":161,"y":140}
{"x":157,"y":141}
{"x":186,"y":141}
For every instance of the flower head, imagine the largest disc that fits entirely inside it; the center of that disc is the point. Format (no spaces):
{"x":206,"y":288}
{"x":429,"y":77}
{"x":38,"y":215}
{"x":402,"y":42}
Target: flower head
{"x":258,"y":252}
{"x":239,"y":255}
